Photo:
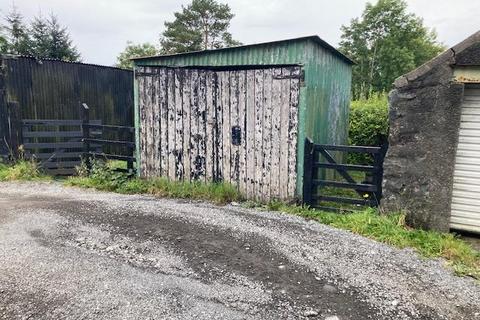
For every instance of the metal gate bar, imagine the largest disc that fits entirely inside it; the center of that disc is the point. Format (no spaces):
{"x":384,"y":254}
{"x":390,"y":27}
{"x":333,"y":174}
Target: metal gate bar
{"x":318,"y":159}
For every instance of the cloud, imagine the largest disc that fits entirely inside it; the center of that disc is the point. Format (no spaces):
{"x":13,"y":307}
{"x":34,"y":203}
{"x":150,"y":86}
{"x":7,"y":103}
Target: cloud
{"x":101,"y":28}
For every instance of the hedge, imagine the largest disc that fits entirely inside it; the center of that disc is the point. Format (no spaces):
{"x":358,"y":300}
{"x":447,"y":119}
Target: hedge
{"x":368,"y":124}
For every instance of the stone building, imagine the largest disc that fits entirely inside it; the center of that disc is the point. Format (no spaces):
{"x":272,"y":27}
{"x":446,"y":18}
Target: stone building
{"x":432,"y":168}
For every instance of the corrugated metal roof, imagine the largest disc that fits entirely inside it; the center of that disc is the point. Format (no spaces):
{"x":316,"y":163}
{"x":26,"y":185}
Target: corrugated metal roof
{"x":314,"y":38}
{"x":15,"y":56}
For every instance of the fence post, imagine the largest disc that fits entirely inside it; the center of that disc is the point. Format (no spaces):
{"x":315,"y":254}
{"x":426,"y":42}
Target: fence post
{"x":131,"y":151}
{"x":378,"y":176}
{"x":85,"y":117}
{"x":308,"y":172}
{"x":15,"y":126}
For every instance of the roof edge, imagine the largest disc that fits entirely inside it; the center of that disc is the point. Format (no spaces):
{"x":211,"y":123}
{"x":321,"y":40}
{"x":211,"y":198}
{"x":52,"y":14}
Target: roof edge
{"x":446,"y":56}
{"x":314,"y":38}
{"x":39,"y":59}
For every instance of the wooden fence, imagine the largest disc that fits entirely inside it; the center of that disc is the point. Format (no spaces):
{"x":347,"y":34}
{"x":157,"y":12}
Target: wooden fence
{"x":59,"y":146}
{"x":121,"y":147}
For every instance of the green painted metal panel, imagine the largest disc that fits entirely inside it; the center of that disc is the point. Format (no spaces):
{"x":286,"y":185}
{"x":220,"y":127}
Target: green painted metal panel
{"x":268,"y":54}
{"x":324,"y":95}
{"x":328,"y":85}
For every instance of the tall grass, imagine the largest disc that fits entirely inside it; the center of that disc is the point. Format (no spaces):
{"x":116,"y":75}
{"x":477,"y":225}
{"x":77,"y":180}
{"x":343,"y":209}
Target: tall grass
{"x":21,"y":170}
{"x":105,"y":177}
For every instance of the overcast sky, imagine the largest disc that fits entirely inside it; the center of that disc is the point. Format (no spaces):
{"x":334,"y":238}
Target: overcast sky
{"x":101,"y":28}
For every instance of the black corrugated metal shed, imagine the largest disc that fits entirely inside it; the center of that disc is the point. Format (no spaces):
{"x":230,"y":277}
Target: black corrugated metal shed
{"x":53,"y":89}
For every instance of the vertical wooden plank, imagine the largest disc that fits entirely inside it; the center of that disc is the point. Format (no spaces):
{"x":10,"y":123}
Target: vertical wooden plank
{"x":284,"y":122}
{"x":234,"y":151}
{"x":276,"y":110}
{"x":148,"y":125}
{"x":143,"y":127}
{"x":151,"y":129}
{"x":259,"y":164}
{"x":147,"y":122}
{"x":171,"y":123}
{"x":210,"y":126}
{"x":202,"y":121}
{"x":218,"y":127}
{"x":179,"y":75}
{"x":293,"y":133}
{"x":139,"y":81}
{"x":157,"y":115}
{"x":226,"y":125}
{"x":242,"y":114}
{"x":194,"y":125}
{"x":267,"y":132}
{"x":163,"y":122}
{"x":186,"y":88}
{"x":250,"y":147}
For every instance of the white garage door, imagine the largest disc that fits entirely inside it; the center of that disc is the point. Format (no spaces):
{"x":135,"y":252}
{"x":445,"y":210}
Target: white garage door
{"x":466,"y":178}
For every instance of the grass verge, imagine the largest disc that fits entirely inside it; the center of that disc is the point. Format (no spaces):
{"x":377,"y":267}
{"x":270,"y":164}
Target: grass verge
{"x":391,"y":229}
{"x":104,"y":177}
{"x":22,"y":170}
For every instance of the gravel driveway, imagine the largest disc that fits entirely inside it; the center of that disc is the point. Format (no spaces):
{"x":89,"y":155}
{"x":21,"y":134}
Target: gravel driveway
{"x":68,"y":253}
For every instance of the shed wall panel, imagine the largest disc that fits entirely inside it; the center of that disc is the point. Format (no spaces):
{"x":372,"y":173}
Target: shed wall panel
{"x":52,"y":89}
{"x":203,"y":106}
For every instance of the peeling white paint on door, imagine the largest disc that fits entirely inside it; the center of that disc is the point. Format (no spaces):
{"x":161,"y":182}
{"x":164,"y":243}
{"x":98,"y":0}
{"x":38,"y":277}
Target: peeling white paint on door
{"x":186,"y":122}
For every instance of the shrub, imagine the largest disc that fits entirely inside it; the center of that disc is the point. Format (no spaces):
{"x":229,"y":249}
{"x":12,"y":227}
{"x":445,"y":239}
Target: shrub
{"x":101,"y":176}
{"x":20,"y":170}
{"x":368,"y":124}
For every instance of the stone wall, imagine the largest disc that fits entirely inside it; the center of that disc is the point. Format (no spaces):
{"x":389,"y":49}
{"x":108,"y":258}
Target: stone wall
{"x":425,"y":109}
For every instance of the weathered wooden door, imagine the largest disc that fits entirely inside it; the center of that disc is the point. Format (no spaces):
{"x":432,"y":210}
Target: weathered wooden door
{"x":238,"y":126}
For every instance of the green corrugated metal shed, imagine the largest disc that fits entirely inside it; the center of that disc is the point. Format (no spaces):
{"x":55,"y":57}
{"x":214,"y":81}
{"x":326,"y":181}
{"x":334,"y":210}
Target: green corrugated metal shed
{"x":324,"y":94}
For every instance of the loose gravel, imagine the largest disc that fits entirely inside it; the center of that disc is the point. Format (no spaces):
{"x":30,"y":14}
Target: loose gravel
{"x":68,"y":253}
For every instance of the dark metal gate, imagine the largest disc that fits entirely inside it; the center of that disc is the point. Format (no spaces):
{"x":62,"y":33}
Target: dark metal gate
{"x":319,"y":191}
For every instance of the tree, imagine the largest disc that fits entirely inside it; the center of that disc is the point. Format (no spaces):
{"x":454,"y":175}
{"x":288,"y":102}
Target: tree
{"x":3,"y":41}
{"x":60,"y":44}
{"x":17,"y":37}
{"x":386,"y":42}
{"x":43,"y":38}
{"x":40,"y":42}
{"x":201,"y":25}
{"x":134,"y":50}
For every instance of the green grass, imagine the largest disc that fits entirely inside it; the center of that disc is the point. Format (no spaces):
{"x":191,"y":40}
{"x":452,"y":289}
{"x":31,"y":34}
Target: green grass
{"x":358,"y":176}
{"x":117,"y":164}
{"x":104,"y":177}
{"x":22,"y":170}
{"x":391,"y":229}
